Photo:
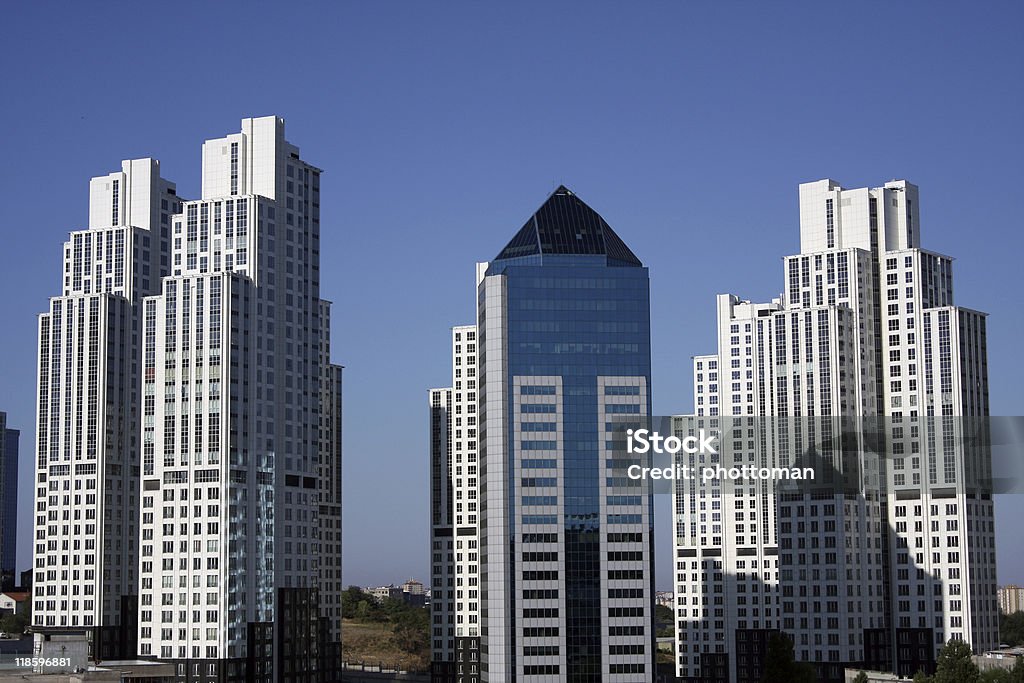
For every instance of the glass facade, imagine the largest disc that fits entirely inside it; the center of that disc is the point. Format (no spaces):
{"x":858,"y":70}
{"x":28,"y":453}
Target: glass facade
{"x":9,"y":511}
{"x":577,"y":318}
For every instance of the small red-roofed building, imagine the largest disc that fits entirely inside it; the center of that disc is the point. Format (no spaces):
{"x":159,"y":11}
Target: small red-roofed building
{"x":14,"y":602}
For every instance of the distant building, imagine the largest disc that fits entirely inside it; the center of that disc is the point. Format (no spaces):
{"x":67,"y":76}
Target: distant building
{"x":382,"y":593}
{"x":14,"y":601}
{"x":873,"y":676}
{"x":1011,"y":599}
{"x":1012,"y":654}
{"x":413,"y":593}
{"x":664,"y":598}
{"x":9,"y":506}
{"x":1000,"y":659}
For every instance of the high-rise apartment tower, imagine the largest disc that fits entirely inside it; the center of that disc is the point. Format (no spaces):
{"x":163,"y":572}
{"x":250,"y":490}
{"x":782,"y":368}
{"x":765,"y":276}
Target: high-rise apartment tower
{"x":455,"y":561}
{"x":88,"y":425}
{"x":189,"y":495}
{"x":240,"y":463}
{"x":866,"y":365}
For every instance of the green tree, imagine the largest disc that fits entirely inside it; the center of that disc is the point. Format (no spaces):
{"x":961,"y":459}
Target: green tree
{"x":780,"y":665}
{"x":13,"y":623}
{"x":954,"y":664}
{"x":350,"y":599}
{"x":411,"y":633}
{"x":368,"y":610}
{"x":393,"y":608}
{"x":1011,"y":628}
{"x":996,"y":675}
{"x":778,"y":659}
{"x":804,"y":673}
{"x":922,"y":677}
{"x":861,"y":678}
{"x":1017,"y":672}
{"x":664,"y":621}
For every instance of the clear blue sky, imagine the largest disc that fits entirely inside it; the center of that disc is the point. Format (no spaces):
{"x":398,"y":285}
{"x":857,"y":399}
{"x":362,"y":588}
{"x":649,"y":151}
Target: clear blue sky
{"x":443,"y":125}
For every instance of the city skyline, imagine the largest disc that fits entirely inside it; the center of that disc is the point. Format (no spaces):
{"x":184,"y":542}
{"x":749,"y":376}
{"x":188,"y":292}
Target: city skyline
{"x":140,"y":193}
{"x":660,"y":541}
{"x":694,"y":159}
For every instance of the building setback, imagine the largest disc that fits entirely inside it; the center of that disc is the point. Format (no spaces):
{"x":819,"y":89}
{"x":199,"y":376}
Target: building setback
{"x":222,"y":458}
{"x":455,"y":599}
{"x":893,"y":554}
{"x":88,"y":413}
{"x":231,"y":564}
{"x":555,"y":546}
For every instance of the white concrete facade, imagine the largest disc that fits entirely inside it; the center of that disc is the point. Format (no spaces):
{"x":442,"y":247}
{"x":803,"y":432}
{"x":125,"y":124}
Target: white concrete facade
{"x":188,"y":502}
{"x":88,"y":417}
{"x":866,"y":328}
{"x":241,"y":432}
{"x":455,"y":600}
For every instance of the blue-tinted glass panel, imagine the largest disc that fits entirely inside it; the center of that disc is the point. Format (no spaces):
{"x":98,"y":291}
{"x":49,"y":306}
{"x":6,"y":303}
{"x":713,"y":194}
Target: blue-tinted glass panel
{"x":577,"y":318}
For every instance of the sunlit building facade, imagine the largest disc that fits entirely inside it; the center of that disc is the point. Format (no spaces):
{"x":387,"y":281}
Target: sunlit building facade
{"x":241,"y":440}
{"x":895,"y":555}
{"x":88,"y":431}
{"x":455,"y":564}
{"x":188,"y":473}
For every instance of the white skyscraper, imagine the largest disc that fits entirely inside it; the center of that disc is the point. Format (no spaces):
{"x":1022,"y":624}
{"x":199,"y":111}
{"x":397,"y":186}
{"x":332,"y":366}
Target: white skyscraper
{"x":865,"y":363}
{"x":189,"y":442}
{"x":85,"y":575}
{"x":237,"y":438}
{"x":455,"y":568}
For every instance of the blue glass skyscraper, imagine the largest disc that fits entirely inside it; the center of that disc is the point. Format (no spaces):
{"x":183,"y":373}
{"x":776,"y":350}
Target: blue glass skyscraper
{"x":566,"y":552}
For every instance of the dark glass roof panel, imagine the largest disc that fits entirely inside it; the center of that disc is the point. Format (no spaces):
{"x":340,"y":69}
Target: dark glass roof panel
{"x":524,"y":243}
{"x":564,"y":224}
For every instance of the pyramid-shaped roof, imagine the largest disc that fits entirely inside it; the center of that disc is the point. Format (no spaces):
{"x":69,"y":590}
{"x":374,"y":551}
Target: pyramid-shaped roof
{"x":564,"y":224}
